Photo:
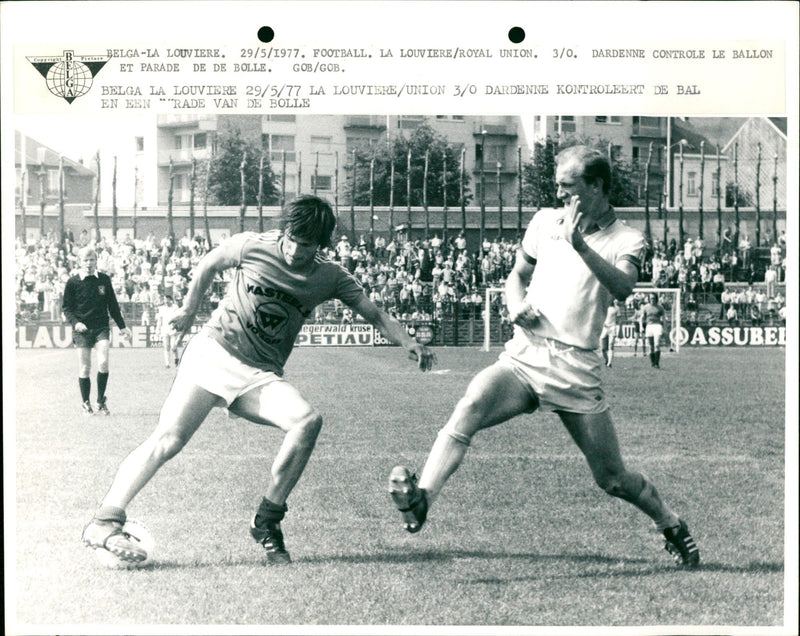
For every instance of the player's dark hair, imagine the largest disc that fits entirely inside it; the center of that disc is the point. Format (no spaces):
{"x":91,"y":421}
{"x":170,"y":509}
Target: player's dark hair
{"x":595,"y":164}
{"x":311,"y":218}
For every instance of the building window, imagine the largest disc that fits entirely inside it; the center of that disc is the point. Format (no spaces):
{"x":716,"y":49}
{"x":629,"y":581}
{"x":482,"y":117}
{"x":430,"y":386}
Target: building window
{"x":52,"y":181}
{"x":139,"y":144}
{"x":566,"y":123}
{"x":691,"y":184}
{"x":200,"y":140}
{"x":603,"y":119}
{"x":321,"y":143}
{"x":276,"y":145}
{"x":714,"y":183}
{"x":359,"y":144}
{"x":648,"y":122}
{"x":321,"y":182}
{"x":492,"y":154}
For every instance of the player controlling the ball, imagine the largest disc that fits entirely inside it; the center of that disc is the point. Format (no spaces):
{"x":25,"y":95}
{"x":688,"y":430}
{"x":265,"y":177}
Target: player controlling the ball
{"x":237,"y":361}
{"x":573,"y":261}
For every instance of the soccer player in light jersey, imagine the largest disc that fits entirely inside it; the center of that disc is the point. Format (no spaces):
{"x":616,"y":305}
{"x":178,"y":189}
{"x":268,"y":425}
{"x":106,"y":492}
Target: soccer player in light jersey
{"x":609,"y":334}
{"x":169,"y":335}
{"x":236,"y":361}
{"x":573,"y":261}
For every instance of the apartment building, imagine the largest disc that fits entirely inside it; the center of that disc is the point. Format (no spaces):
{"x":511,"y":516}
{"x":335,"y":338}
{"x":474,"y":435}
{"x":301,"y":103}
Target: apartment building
{"x":312,"y":152}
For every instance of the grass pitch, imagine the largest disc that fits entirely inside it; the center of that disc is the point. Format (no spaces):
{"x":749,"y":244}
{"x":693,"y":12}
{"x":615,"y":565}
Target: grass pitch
{"x":521,"y":536}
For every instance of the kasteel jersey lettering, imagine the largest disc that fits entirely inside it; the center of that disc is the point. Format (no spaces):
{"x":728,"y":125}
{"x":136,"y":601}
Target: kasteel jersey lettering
{"x":571,"y":299}
{"x":267,"y":301}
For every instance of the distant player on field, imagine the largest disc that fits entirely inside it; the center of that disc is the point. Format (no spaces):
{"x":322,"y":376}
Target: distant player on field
{"x":653,"y":314}
{"x":609,"y":333}
{"x":169,"y":335}
{"x":237,"y":360}
{"x":572,"y":262}
{"x":638,"y":329}
{"x":88,"y":301}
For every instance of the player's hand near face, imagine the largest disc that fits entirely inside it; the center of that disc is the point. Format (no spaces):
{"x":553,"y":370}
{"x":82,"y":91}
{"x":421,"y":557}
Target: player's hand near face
{"x":80,"y":327}
{"x":425,"y":357}
{"x":572,"y":221}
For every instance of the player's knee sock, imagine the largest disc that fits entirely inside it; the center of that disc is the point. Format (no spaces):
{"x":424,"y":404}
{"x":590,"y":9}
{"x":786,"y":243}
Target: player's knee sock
{"x":270,"y":512}
{"x":102,"y":381}
{"x":85,"y":385}
{"x":445,"y":457}
{"x":110,"y":513}
{"x":658,"y":356}
{"x":637,"y":489}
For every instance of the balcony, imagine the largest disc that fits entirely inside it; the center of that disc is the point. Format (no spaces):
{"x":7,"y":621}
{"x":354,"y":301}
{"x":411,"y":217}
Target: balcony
{"x":648,"y":131}
{"x":202,"y":122}
{"x":496,"y":130}
{"x":182,"y":155}
{"x":374,"y":122}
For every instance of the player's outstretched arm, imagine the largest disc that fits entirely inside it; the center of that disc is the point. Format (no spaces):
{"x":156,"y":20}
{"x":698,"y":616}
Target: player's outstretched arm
{"x":394,"y":331}
{"x":216,"y":261}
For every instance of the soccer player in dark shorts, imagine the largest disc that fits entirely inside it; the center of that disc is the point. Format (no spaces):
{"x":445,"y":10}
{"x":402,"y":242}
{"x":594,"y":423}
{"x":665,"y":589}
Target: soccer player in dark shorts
{"x":89,"y":298}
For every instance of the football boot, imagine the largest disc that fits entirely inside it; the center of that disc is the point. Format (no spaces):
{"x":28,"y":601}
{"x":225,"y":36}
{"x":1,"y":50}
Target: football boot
{"x":409,"y":498}
{"x":102,"y":407}
{"x":87,"y":408}
{"x":680,"y":544}
{"x":270,"y":535}
{"x":109,"y":535}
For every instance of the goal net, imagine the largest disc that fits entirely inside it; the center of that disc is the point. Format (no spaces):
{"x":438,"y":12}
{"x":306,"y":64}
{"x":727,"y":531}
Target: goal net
{"x":497,"y":330}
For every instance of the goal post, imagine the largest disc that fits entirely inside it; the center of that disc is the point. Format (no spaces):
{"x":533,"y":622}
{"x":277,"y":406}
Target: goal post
{"x":670,"y":299}
{"x":494,"y":307}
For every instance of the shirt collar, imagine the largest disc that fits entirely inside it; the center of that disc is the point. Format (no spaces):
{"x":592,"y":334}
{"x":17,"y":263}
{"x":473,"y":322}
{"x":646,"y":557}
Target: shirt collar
{"x":84,"y":274}
{"x":606,"y":219}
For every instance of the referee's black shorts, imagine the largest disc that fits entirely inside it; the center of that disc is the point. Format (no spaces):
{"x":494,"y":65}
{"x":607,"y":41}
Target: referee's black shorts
{"x":89,"y":338}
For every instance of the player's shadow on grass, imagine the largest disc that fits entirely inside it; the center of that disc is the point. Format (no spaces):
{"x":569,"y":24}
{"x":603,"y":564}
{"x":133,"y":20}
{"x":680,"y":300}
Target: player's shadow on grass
{"x":604,"y":566}
{"x":617,"y":566}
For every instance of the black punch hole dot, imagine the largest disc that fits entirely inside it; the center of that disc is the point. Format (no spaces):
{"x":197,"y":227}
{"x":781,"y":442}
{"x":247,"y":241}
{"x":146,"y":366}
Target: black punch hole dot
{"x":265,"y":34}
{"x":516,"y":34}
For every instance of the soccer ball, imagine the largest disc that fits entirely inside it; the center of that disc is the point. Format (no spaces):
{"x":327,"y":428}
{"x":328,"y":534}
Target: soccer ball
{"x":138,"y":534}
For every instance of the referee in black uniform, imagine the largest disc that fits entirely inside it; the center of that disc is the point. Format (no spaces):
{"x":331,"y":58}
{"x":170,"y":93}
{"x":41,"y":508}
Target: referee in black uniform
{"x":88,"y":300}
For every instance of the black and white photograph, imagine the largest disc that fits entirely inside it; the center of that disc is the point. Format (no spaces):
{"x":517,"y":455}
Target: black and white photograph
{"x":397,"y":328}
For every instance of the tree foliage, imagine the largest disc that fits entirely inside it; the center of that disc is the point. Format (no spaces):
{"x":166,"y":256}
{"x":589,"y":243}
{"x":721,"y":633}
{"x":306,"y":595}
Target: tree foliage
{"x":734,"y":195}
{"x":395,"y":151}
{"x":539,"y":182}
{"x":224,"y":181}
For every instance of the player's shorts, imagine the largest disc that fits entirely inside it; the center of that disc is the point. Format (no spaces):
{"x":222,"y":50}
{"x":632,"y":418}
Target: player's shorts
{"x":654,"y":330}
{"x":560,"y":377}
{"x":609,"y":333}
{"x":89,"y":338}
{"x":205,"y":363}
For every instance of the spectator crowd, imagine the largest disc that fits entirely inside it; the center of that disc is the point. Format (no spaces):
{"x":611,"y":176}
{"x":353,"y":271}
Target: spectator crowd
{"x":424,"y":279}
